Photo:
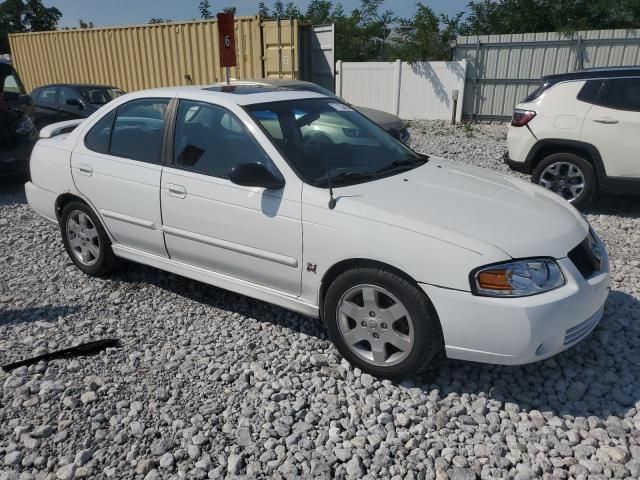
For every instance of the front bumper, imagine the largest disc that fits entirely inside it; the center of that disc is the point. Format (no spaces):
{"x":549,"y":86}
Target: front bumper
{"x":515,"y":331}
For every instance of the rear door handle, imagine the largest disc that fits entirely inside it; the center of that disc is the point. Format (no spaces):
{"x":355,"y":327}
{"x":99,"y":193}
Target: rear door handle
{"x":85,"y":169}
{"x":176,"y":190}
{"x":606,"y":120}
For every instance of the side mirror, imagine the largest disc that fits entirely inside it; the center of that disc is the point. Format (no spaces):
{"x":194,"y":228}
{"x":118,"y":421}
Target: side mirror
{"x":74,"y":102}
{"x":255,"y":175}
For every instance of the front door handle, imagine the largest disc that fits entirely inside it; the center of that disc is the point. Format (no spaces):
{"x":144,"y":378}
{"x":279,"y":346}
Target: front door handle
{"x":606,"y":120}
{"x":176,"y":190}
{"x":85,"y":169}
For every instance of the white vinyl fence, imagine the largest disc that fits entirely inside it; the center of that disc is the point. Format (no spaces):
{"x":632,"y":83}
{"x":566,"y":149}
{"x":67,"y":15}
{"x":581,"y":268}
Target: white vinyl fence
{"x":413,"y":91}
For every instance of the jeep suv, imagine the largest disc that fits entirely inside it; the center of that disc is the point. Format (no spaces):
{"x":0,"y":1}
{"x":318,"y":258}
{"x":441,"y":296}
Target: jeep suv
{"x":579,"y":133}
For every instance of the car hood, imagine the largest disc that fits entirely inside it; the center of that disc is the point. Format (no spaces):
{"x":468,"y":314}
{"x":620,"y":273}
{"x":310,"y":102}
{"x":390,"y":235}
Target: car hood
{"x":384,"y":119}
{"x":468,"y":206}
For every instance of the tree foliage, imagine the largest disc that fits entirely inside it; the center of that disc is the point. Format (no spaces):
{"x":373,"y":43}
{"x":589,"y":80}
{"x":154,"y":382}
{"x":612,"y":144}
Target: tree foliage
{"x":371,"y":33}
{"x":205,"y":9}
{"x":520,"y":16}
{"x":25,"y":16}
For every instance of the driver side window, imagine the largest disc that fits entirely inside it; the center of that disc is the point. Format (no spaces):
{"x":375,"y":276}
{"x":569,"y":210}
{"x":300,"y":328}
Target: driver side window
{"x":211,"y":140}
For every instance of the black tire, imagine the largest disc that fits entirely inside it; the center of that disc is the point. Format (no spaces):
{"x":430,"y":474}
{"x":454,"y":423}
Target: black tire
{"x":427,"y":332}
{"x":585,"y":167}
{"x":105,"y":260}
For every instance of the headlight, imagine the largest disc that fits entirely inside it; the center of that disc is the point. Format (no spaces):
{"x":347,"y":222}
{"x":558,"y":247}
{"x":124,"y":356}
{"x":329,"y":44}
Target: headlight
{"x":519,"y":278}
{"x":24,"y":126}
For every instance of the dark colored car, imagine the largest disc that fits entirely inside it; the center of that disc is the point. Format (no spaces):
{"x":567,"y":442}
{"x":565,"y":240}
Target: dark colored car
{"x":17,"y":132}
{"x":64,"y":101}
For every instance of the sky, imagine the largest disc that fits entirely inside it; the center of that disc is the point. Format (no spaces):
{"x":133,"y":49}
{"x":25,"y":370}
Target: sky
{"x":130,"y":12}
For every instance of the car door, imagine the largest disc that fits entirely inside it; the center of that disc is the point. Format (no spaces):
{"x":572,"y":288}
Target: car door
{"x":71,"y":104}
{"x":247,"y":233}
{"x":613,"y":127}
{"x":46,"y":106}
{"x":117,"y":166}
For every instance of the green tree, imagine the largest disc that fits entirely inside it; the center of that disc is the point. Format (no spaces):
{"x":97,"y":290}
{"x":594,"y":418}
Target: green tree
{"x":25,"y":16}
{"x":205,"y":9}
{"x":83,"y":24}
{"x":156,"y":20}
{"x":292,"y":11}
{"x":278,"y":9}
{"x":263,"y":10}
{"x":520,"y":16}
{"x":230,"y":10}
{"x":319,"y":12}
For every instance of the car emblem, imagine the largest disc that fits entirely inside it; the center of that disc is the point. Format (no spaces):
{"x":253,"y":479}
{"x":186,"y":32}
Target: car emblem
{"x":373,"y":324}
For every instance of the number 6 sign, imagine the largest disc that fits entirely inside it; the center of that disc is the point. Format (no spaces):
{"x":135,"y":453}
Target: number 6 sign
{"x":226,"y":35}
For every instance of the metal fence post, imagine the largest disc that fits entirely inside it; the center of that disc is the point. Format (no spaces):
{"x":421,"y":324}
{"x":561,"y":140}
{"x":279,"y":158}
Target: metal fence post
{"x":578,"y":63}
{"x":339,"y":78}
{"x":397,"y":79}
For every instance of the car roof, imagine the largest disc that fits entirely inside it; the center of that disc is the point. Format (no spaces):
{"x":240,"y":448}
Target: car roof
{"x":592,"y":73}
{"x":89,"y":85}
{"x":229,"y":94}
{"x":274,"y":82}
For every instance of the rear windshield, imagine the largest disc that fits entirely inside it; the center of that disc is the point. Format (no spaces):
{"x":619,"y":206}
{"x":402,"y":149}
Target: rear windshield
{"x":537,"y":92}
{"x":99,"y":95}
{"x":10,"y":83}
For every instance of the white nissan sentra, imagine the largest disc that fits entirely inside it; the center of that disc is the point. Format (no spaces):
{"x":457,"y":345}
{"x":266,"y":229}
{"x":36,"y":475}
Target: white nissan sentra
{"x":296,"y":199}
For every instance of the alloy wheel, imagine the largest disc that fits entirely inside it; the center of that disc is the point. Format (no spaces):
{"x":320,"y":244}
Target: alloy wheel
{"x":564,"y":179}
{"x":375,"y":325}
{"x":83,"y":238}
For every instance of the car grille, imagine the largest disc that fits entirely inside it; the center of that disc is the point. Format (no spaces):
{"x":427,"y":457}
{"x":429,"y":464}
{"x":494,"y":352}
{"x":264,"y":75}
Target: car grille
{"x":586,"y":257}
{"x":577,"y":333}
{"x":404,"y":135}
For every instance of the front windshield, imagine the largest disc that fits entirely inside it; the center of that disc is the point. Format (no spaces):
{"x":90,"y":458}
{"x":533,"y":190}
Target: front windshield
{"x":322,"y":135}
{"x":100,"y":95}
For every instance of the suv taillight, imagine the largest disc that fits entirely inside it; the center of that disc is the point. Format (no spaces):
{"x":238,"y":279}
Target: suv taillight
{"x":521,"y":117}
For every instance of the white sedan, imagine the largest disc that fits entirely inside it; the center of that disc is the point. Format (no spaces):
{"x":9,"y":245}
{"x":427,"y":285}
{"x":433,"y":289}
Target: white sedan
{"x":255,"y":190}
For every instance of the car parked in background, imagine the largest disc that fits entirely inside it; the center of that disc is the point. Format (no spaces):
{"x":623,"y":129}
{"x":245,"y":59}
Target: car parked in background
{"x":402,"y":255}
{"x":579,"y":133}
{"x":67,"y":101}
{"x":391,"y":123}
{"x":17,"y":132}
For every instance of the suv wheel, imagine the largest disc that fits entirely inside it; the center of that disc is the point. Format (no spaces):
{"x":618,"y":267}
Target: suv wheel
{"x":85,"y":240}
{"x":568,"y":175}
{"x":381,"y":323}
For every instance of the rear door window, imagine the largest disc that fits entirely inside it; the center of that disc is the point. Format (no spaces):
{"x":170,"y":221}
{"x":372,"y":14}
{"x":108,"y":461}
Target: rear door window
{"x":47,"y":97}
{"x":589,"y":91}
{"x":134,"y":130}
{"x":621,"y":94}
{"x":137,"y":130}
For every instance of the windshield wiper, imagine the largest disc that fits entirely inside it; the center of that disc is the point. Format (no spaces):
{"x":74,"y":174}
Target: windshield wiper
{"x":347,"y":176}
{"x":403,"y":164}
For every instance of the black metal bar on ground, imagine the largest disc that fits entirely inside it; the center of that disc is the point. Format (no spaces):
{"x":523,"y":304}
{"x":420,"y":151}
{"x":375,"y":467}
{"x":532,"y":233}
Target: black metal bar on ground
{"x":82,"y":349}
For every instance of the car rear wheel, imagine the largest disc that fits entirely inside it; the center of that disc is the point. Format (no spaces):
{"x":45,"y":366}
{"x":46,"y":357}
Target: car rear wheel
{"x":85,"y":240}
{"x":381,"y":323}
{"x":567,"y":175}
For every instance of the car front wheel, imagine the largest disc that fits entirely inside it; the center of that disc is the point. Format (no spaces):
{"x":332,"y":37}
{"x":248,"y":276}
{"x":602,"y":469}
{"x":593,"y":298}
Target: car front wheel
{"x":568,"y":175}
{"x":382,"y":323}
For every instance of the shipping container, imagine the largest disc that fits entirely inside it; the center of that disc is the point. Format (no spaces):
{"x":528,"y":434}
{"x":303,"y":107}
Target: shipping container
{"x":158,"y":55}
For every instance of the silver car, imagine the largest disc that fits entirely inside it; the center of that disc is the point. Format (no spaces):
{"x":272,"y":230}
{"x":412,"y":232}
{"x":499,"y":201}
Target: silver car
{"x":391,"y":123}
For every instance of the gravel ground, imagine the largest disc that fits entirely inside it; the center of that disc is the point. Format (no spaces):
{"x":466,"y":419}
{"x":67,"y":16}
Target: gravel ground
{"x":208,"y":384}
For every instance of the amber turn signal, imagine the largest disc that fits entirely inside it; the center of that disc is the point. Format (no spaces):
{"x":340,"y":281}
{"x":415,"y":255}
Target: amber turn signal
{"x":494,"y":280}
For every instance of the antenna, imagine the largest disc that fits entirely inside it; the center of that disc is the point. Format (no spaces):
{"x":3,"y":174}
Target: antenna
{"x":332,"y":200}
